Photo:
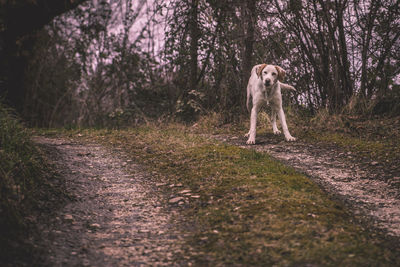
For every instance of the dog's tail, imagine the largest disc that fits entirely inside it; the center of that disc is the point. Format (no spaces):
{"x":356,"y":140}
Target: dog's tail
{"x":287,"y":86}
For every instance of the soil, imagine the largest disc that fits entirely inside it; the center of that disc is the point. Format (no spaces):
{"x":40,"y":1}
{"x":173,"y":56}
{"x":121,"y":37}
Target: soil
{"x":117,"y":217}
{"x":370,"y":189}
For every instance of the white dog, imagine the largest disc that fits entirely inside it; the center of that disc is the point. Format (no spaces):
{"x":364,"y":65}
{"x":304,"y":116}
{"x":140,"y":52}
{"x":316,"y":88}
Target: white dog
{"x":264,"y":86}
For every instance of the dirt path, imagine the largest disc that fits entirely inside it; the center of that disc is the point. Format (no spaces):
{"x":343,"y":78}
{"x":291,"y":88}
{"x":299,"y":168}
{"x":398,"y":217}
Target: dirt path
{"x":368,"y":188}
{"x":119,"y":217}
{"x":116,"y":218}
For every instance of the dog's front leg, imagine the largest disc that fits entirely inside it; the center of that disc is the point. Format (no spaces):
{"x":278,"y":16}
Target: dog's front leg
{"x":273,"y":122}
{"x":285,"y":129}
{"x":253,"y":123}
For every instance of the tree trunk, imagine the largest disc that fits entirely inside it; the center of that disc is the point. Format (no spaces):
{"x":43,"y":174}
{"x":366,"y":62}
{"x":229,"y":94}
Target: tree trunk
{"x":249,"y":17}
{"x":194,"y":43}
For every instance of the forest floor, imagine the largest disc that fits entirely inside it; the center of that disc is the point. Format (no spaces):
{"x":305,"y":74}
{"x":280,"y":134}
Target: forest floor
{"x":202,"y":199}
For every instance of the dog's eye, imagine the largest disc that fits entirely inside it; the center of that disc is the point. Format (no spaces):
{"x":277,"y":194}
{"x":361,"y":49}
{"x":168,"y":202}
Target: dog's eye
{"x":273,"y":74}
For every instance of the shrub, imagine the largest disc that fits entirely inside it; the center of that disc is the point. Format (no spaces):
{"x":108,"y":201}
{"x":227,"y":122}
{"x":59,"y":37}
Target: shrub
{"x":24,"y":187}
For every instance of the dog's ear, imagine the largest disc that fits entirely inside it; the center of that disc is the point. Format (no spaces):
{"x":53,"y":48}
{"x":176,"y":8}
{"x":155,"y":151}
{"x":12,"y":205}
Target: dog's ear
{"x":281,"y":73}
{"x":259,"y":70}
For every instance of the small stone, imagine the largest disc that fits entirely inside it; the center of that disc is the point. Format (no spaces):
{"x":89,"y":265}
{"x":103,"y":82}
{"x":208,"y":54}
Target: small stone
{"x":175,"y":200}
{"x":374,"y":163}
{"x":175,"y":185}
{"x":185,"y":191}
{"x":195,"y":196}
{"x":94,"y":226}
{"x":68,"y":217}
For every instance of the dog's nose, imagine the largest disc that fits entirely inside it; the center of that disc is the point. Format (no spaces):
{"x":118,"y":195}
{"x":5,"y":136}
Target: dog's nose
{"x":267,"y":82}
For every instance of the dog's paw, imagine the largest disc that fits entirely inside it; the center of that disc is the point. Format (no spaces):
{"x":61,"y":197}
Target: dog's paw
{"x":276,"y":132}
{"x":251,"y":141}
{"x":290,"y":138}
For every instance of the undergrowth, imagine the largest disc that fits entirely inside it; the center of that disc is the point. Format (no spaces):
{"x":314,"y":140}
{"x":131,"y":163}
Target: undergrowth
{"x":371,"y":137}
{"x":24,"y":189}
{"x":251,"y":210}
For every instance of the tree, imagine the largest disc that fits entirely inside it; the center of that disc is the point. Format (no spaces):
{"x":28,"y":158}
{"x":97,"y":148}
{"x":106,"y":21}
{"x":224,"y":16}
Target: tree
{"x":19,"y":21}
{"x":345,"y":47}
{"x":109,"y":67}
{"x":249,"y":17}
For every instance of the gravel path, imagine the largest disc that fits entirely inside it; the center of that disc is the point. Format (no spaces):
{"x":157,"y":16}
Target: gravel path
{"x":117,"y":217}
{"x":370,"y":189}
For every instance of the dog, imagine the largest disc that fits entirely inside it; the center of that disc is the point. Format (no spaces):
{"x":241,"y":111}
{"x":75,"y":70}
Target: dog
{"x":264,"y":87}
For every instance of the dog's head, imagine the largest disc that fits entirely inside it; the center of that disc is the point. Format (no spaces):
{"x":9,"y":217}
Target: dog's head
{"x":270,"y":74}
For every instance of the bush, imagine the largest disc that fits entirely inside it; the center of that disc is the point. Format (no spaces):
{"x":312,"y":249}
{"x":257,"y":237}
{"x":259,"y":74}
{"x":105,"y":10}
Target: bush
{"x":24,"y":187}
{"x":388,"y":105}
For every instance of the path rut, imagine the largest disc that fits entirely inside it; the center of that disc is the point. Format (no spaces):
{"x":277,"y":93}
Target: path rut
{"x":116,"y":218}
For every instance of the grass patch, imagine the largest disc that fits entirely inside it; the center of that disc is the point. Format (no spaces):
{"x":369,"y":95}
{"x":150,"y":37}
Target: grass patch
{"x":375,"y":139}
{"x":252,"y":210}
{"x":369,"y":138}
{"x":24,"y":190}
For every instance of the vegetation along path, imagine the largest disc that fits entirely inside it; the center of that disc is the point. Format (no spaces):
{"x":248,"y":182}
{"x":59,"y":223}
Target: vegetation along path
{"x":370,"y":189}
{"x":115,"y":219}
